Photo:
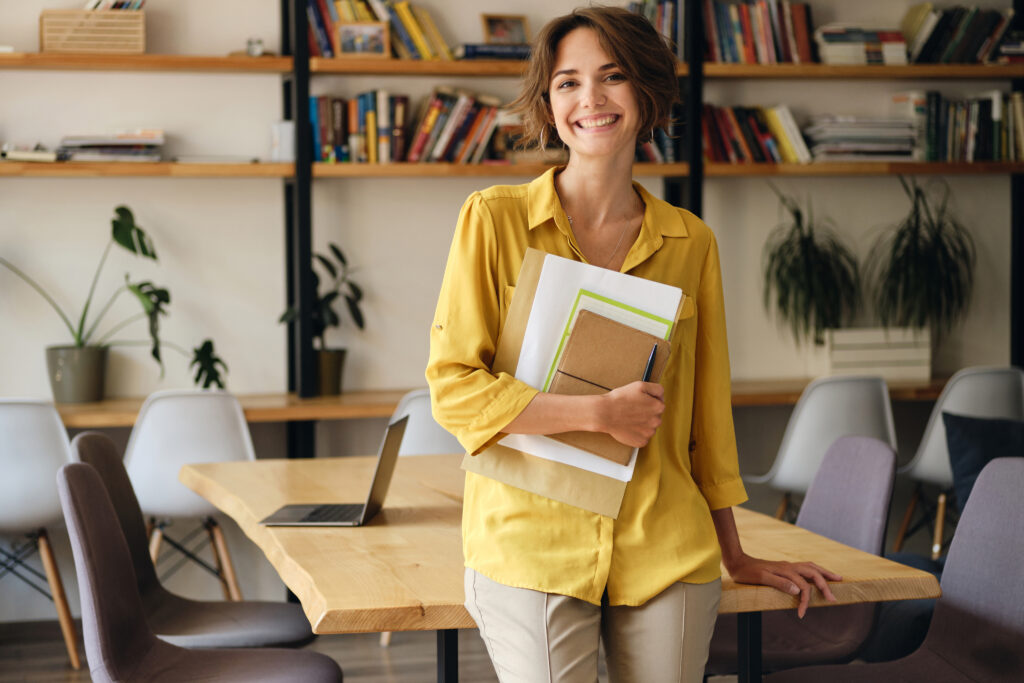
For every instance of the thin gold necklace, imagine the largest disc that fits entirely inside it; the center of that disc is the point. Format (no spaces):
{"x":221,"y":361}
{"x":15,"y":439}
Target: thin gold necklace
{"x":617,"y":244}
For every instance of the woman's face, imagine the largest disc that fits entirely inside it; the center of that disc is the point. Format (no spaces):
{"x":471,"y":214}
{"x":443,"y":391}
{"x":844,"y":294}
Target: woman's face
{"x":592,"y":103}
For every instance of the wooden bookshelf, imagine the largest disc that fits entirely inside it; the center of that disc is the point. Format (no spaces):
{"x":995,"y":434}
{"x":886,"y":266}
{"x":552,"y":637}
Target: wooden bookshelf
{"x":416,"y":67}
{"x":444,"y":170}
{"x":862,"y":168}
{"x":122,"y":412}
{"x":46,"y":61}
{"x":161,"y":169}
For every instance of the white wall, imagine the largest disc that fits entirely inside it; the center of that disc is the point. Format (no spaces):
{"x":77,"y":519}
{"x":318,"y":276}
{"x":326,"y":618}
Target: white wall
{"x":221,"y":240}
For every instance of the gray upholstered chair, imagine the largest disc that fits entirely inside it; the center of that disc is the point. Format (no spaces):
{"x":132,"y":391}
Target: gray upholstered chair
{"x":178,"y":620}
{"x":978,"y":625}
{"x":119,"y":645}
{"x":848,"y":501}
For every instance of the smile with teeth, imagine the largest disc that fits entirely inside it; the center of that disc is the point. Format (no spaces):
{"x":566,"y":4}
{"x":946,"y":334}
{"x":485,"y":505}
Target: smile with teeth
{"x":598,"y":122}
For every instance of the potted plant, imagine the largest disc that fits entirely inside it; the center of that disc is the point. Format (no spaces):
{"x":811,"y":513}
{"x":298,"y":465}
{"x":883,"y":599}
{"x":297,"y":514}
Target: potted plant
{"x":922,"y":270}
{"x":810,"y":277}
{"x":331,"y":362}
{"x":76,"y":370}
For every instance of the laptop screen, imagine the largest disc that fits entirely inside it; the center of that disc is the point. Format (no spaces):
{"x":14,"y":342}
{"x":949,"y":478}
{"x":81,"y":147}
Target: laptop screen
{"x":385,"y":468}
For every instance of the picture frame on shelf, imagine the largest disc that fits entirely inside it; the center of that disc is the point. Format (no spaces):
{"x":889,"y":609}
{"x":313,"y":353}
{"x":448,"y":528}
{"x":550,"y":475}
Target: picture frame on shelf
{"x":505,"y":29}
{"x":364,"y":40}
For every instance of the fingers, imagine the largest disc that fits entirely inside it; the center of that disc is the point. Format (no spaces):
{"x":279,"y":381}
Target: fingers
{"x":653,"y":389}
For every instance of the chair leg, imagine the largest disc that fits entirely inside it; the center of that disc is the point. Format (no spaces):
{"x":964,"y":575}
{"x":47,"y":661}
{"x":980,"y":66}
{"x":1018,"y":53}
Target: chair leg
{"x":940,"y":521}
{"x":208,"y":524}
{"x":220,"y":549}
{"x":60,"y":601}
{"x":907,"y":516}
{"x":780,"y":512}
{"x":385,"y":638}
{"x":156,"y":535}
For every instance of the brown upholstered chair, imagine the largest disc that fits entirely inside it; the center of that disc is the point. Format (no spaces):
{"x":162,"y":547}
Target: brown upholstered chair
{"x":119,"y":644}
{"x":848,"y":501}
{"x":178,"y":620}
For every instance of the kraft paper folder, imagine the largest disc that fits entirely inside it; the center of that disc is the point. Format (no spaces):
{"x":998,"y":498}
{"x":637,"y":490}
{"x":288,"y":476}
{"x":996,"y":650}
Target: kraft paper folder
{"x":555,"y":480}
{"x":602,"y":355}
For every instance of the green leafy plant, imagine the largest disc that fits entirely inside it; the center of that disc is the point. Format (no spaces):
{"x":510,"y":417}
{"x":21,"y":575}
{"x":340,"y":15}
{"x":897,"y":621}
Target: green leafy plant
{"x":152,"y":298}
{"x":810,"y":277}
{"x":922,"y":269}
{"x":323,"y":315}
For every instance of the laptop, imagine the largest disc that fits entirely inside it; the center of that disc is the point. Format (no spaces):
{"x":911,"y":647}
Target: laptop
{"x":349,"y":514}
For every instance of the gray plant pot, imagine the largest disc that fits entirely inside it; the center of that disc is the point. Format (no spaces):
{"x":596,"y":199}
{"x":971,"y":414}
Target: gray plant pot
{"x":330,"y":367}
{"x":76,"y":373}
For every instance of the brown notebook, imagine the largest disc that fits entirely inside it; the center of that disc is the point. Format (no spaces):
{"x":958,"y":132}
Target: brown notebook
{"x":600,"y":355}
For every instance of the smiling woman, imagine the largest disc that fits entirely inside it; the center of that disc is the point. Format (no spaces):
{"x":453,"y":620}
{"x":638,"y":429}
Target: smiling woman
{"x":546,"y":581}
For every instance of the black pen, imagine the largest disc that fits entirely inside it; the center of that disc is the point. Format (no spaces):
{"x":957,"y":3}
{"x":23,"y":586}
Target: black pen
{"x":650,"y":363}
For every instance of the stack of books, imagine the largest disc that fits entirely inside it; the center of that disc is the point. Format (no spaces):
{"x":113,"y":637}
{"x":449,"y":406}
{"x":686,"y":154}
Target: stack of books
{"x":846,"y":44}
{"x":758,"y":32}
{"x":958,"y":35}
{"x":131,"y":146}
{"x":414,"y":35}
{"x":114,"y":4}
{"x":375,"y":127}
{"x":855,"y":138}
{"x":988,"y":126}
{"x":1011,"y":50}
{"x":752,"y":135}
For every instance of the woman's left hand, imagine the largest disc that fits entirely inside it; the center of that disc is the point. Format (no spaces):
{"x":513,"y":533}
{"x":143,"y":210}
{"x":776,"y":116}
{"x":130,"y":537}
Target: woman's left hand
{"x":794,"y":578}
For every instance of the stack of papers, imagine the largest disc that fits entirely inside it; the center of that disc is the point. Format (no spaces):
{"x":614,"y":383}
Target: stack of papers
{"x":135,"y":145}
{"x":853,"y":138}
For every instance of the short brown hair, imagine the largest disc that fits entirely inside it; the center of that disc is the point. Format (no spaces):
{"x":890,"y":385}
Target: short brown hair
{"x":639,"y":50}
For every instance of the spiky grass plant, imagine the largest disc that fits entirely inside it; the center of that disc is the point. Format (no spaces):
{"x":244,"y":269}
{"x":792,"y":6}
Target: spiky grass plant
{"x":811,"y":278}
{"x":922,"y":270}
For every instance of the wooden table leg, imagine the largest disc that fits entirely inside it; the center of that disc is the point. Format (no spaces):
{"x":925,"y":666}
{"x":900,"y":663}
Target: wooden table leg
{"x":448,"y":656}
{"x":67,"y":625}
{"x":748,"y":647}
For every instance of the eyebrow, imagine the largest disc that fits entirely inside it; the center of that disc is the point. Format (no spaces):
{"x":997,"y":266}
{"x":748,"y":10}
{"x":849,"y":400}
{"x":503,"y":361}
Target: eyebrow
{"x":606,"y":67}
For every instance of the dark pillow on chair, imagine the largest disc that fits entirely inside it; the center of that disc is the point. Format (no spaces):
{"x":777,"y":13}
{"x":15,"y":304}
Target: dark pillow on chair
{"x":973,"y":441}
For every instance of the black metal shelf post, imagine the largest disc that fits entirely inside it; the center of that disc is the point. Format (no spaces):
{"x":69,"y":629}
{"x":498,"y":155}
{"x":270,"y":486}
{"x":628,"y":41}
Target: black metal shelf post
{"x":1017,"y":244}
{"x":298,"y":223}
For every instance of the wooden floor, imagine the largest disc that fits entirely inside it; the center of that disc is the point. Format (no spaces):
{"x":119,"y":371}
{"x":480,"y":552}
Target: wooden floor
{"x":35,"y":652}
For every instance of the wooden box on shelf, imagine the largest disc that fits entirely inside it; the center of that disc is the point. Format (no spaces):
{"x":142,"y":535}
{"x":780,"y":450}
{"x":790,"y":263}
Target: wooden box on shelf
{"x":93,"y":31}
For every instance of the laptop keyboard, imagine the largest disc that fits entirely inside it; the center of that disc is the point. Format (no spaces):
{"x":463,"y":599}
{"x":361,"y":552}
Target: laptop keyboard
{"x":333,"y":513}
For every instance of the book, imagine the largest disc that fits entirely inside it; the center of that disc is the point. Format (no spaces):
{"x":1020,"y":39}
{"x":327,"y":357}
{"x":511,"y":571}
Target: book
{"x":316,"y":24}
{"x":323,"y":106}
{"x":399,"y":122}
{"x":793,"y":133}
{"x":314,"y":124}
{"x":491,"y":51}
{"x":412,"y":27}
{"x":448,"y":102}
{"x":400,"y":39}
{"x":383,"y":126}
{"x":339,"y":128}
{"x":434,"y":37}
{"x":483,"y":143}
{"x":329,"y":18}
{"x":352,"y":119}
{"x":802,"y":31}
{"x":426,"y":125}
{"x":923,"y":33}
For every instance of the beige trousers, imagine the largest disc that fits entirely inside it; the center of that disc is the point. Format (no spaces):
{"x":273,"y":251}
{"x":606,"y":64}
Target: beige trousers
{"x":535,"y":637}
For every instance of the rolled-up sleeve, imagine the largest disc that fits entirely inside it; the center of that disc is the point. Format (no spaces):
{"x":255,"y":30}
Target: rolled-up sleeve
{"x":467,"y":399}
{"x":713,"y":458}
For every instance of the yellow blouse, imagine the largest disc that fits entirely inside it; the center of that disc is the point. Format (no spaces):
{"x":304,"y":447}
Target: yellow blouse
{"x":664,"y":531}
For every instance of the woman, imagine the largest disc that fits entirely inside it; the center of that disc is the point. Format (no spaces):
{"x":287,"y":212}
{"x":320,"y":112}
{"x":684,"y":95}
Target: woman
{"x":545,"y":580}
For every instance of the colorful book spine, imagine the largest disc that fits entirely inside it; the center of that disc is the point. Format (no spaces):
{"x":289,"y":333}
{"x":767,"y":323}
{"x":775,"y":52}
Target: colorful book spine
{"x":314,"y":123}
{"x":383,"y":127}
{"x":405,"y":15}
{"x":489,"y":51}
{"x":353,"y":129}
{"x":437,"y":41}
{"x":339,"y":126}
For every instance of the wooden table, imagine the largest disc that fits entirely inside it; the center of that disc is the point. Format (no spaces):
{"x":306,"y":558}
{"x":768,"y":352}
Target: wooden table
{"x":404,"y":570}
{"x":122,"y":412}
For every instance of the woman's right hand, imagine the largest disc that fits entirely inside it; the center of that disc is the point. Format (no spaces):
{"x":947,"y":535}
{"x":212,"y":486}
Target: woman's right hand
{"x":632,"y":413}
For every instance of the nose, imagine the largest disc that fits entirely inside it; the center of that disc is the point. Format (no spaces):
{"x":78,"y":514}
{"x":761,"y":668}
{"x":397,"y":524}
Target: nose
{"x":593,"y":95}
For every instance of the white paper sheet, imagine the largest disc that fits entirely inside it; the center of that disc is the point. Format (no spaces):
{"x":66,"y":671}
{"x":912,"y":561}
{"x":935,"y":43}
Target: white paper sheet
{"x":557,"y":290}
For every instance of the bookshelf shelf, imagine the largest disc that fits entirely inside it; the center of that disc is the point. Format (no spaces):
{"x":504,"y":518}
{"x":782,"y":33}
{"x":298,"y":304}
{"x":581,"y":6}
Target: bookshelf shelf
{"x":145,"y":62}
{"x":862,"y":168}
{"x":163,"y":169}
{"x":415,"y":67}
{"x":444,"y":170}
{"x":834,"y":71}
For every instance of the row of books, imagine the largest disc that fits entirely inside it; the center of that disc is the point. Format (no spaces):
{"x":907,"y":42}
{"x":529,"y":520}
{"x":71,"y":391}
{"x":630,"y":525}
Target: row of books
{"x":758,"y":32}
{"x":752,"y":135}
{"x":959,"y":35}
{"x":114,"y":4}
{"x":668,"y":17}
{"x":376,"y":127}
{"x":988,"y":126}
{"x":414,"y":35}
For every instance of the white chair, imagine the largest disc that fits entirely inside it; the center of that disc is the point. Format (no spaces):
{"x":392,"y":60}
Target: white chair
{"x":828,"y":408}
{"x":995,"y":392}
{"x":33,"y":447}
{"x":423,"y":436}
{"x":176,"y":428}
